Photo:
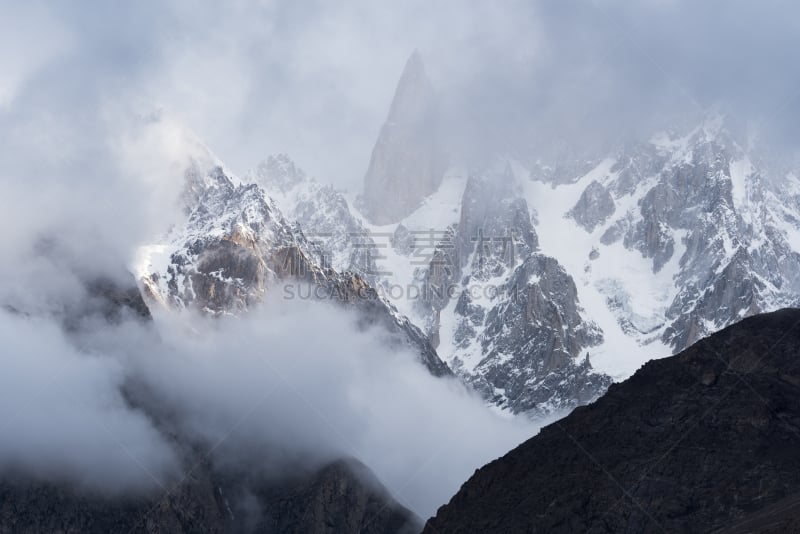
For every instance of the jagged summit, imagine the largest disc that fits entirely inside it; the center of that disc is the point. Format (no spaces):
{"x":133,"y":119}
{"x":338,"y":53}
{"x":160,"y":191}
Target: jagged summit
{"x":278,"y":173}
{"x":513,"y":328}
{"x":235,"y":246}
{"x":414,"y":90}
{"x":407,"y":162}
{"x":626,"y":255}
{"x":322,"y":212}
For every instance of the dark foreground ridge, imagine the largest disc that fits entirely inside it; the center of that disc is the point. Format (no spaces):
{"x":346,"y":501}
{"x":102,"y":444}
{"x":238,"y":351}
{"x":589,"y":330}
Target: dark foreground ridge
{"x":704,"y":441}
{"x":341,"y":498}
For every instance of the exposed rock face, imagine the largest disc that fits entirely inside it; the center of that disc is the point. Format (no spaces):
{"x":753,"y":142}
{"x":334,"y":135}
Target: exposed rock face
{"x":408,"y":161}
{"x":533,"y":342}
{"x":278,"y":174}
{"x":696,"y":442}
{"x":235,"y":245}
{"x":29,"y":507}
{"x":495,"y":223}
{"x":343,"y":497}
{"x":703,"y":205}
{"x":782,"y":517}
{"x":323,"y":213}
{"x":676,"y":237}
{"x":594,"y":207}
{"x":511,"y":325}
{"x":559,"y":162}
{"x":506,"y":317}
{"x":402,"y":240}
{"x":671,"y":238}
{"x":115,"y":299}
{"x":232,"y":244}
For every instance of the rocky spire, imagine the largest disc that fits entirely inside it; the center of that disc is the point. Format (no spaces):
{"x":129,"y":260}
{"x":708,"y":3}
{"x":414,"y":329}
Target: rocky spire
{"x":407,"y":163}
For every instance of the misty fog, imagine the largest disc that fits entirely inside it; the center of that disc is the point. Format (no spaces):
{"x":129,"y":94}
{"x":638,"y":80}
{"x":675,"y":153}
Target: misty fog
{"x":258,"y":392}
{"x":85,"y":182}
{"x":314,"y":80}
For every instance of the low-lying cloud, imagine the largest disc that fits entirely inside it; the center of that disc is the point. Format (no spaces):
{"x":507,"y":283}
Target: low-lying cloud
{"x":292,"y":383}
{"x":63,"y":418}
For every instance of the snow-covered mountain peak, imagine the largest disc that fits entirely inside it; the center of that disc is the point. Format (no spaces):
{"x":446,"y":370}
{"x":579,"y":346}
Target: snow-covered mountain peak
{"x":277,"y":174}
{"x":339,"y":236}
{"x":234,"y":248}
{"x":695,"y":205}
{"x":184,"y":147}
{"x":615,"y":258}
{"x":538,"y":283}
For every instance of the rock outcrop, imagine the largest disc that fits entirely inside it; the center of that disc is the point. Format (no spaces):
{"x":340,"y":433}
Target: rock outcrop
{"x":710,"y":209}
{"x":340,"y":498}
{"x":408,"y":160}
{"x":516,"y":330}
{"x":235,"y":246}
{"x":594,"y":207}
{"x":324,"y":215}
{"x":703,"y":441}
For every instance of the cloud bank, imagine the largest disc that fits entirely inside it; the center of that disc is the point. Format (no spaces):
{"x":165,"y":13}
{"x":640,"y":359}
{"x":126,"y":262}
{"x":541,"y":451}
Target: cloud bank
{"x":287,"y":386}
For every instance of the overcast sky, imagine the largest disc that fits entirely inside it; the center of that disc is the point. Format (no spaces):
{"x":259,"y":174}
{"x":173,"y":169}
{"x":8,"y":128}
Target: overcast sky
{"x":315,"y":79}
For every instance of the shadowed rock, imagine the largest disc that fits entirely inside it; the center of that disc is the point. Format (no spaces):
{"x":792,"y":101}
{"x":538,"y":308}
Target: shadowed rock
{"x":704,"y":440}
{"x":341,"y":498}
{"x":594,"y":207}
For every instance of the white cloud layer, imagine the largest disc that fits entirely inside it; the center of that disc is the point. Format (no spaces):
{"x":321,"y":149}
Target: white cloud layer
{"x":314,"y":79}
{"x":287,"y":386}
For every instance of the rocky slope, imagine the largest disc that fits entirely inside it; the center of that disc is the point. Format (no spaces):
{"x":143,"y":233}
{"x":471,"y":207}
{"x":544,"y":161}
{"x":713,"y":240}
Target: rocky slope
{"x":700,"y":441}
{"x":675,"y":237}
{"x":235,"y":247}
{"x":342,"y":497}
{"x":323,"y":213}
{"x":506,"y":318}
{"x":654,"y":244}
{"x":706,"y":204}
{"x":510,"y":322}
{"x":613,"y":257}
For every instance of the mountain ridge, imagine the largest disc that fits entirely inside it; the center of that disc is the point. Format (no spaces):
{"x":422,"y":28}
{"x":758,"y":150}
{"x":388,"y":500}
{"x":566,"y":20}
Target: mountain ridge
{"x":694,"y":442}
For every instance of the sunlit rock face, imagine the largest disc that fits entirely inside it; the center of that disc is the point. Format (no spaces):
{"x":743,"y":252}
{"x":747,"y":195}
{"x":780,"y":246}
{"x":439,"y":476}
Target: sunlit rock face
{"x":408,"y":160}
{"x":235,"y":249}
{"x":323,"y":213}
